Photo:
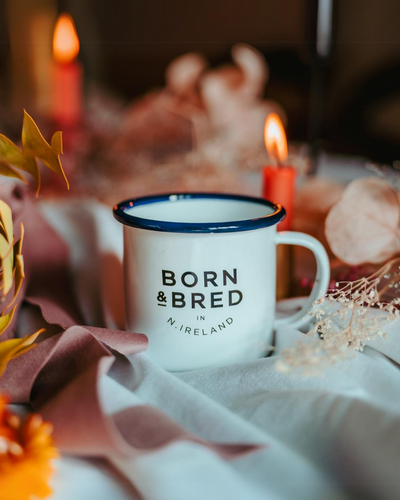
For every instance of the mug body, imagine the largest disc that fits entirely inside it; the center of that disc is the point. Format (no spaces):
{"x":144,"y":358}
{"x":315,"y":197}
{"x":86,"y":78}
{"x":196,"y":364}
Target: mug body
{"x":204,"y":292}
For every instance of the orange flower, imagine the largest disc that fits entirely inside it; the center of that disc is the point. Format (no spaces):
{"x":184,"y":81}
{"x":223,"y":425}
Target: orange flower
{"x":26,"y":453}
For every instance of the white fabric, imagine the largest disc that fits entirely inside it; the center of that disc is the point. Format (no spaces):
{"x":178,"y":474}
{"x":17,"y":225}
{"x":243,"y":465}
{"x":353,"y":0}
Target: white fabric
{"x":77,"y":479}
{"x":337,"y":436}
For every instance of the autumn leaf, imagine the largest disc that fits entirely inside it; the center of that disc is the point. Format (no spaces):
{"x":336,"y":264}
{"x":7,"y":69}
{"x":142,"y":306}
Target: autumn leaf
{"x":6,"y":247}
{"x":11,"y":259}
{"x":6,"y":220}
{"x":12,"y":161}
{"x":6,"y":319}
{"x":12,"y":348}
{"x":9,"y":153}
{"x":7,"y":264}
{"x":12,"y":274}
{"x":19,"y":271}
{"x":34,"y":147}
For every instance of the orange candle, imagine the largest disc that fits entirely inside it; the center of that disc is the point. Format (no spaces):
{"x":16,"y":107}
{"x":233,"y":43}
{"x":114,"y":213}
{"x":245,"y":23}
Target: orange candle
{"x":67,"y":74}
{"x":278,"y":180}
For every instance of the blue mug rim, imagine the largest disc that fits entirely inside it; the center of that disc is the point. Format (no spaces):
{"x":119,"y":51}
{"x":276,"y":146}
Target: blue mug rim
{"x":275,"y":217}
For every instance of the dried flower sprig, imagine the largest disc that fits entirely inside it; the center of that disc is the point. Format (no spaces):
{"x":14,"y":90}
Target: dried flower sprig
{"x":26,"y":448}
{"x":11,"y":277}
{"x":12,"y":161}
{"x":348,"y":317}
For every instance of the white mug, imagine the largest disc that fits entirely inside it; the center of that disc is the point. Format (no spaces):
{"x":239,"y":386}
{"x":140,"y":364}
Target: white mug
{"x":200,"y":276}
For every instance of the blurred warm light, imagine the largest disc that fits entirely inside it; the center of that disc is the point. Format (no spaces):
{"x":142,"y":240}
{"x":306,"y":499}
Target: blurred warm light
{"x":275,"y":138}
{"x":65,"y":39}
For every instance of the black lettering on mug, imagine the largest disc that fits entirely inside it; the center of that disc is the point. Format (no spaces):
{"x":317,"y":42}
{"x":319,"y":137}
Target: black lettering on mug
{"x":189,"y":284}
{"x":215,"y":298}
{"x":168,"y":278}
{"x":198,"y":298}
{"x":162,"y":299}
{"x":210,"y":277}
{"x":226,"y":275}
{"x":238,"y":301}
{"x":178,"y":300}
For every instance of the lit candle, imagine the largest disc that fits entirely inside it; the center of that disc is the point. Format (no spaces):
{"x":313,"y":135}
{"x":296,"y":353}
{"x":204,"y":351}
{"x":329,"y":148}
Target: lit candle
{"x":278,"y":179}
{"x":67,"y":73}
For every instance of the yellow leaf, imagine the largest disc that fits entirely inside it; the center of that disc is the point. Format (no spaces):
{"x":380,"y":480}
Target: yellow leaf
{"x":5,"y":247}
{"x":8,"y":150}
{"x":27,"y":163}
{"x":19,"y":271}
{"x":7,"y":274}
{"x":10,"y":154}
{"x":12,"y":262}
{"x":7,"y":258}
{"x":8,"y":171}
{"x":12,"y":348}
{"x":6,"y":220}
{"x":18,"y":244}
{"x":34,"y":144}
{"x":6,"y":320}
{"x":18,"y":277}
{"x":56,"y":143}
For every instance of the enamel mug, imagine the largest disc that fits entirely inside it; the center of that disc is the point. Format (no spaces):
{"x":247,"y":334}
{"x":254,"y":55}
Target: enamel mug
{"x":200,"y":276}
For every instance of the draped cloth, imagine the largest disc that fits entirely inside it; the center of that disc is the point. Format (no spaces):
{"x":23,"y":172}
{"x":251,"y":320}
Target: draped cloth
{"x":170,"y":436}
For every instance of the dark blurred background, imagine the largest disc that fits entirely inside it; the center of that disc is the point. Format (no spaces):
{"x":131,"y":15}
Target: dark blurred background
{"x":334,"y":64}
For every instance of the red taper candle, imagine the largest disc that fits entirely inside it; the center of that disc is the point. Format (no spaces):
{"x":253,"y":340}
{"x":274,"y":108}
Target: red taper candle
{"x":67,"y":74}
{"x":278,"y":180}
{"x":278,"y":186}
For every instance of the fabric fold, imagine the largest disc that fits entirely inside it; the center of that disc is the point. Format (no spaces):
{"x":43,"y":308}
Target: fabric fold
{"x":59,"y":377}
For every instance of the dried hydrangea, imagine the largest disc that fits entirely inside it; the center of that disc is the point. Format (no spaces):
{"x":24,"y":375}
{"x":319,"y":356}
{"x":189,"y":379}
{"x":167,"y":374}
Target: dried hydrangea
{"x":348,"y":317}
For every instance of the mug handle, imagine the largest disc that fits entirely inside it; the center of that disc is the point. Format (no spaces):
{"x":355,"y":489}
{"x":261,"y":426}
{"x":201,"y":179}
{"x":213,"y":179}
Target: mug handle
{"x":321,"y":280}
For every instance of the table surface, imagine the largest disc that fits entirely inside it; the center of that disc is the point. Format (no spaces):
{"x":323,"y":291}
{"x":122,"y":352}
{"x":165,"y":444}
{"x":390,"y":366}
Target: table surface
{"x":301,"y":421}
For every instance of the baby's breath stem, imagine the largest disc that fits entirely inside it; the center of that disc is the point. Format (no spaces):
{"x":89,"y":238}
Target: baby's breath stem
{"x":341,"y":331}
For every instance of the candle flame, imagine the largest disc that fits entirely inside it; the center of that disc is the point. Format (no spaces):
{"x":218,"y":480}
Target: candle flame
{"x":65,"y":39}
{"x":275,"y":138}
